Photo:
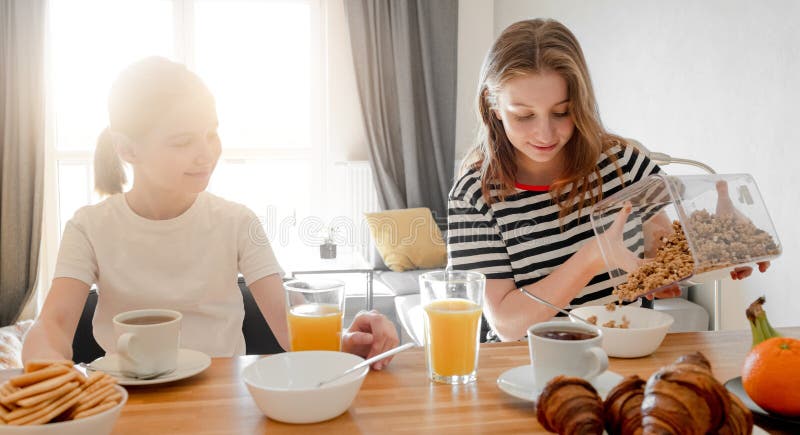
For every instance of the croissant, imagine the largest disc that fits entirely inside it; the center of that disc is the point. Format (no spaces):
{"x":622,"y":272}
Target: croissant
{"x":570,"y":405}
{"x":685,"y":398}
{"x":623,"y":407}
{"x":740,"y":419}
{"x":696,"y":358}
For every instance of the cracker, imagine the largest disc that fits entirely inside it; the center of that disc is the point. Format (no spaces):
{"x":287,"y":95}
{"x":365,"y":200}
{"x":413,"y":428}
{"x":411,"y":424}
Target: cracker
{"x":49,"y":395}
{"x":40,"y":387}
{"x":89,"y":400}
{"x":100,"y":384}
{"x":7,"y":408}
{"x":51,"y":411}
{"x":21,"y":412}
{"x":96,"y":410}
{"x":116,"y":397}
{"x":3,"y":412}
{"x":94,"y":377}
{"x":38,"y":364}
{"x":7,"y":389}
{"x":38,"y":376}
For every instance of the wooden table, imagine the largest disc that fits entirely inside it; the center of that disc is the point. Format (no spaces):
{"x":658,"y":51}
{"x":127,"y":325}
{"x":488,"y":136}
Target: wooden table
{"x":400,"y":398}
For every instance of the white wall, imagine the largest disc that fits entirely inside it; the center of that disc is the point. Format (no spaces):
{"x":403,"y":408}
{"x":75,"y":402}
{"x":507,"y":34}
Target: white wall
{"x":714,"y":81}
{"x":475,"y":37}
{"x":346,"y":135}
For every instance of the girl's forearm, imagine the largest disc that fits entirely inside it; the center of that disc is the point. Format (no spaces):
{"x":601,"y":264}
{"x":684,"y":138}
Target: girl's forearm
{"x":516,"y":312}
{"x":271,"y":300}
{"x":52,"y":334}
{"x":45,"y":341}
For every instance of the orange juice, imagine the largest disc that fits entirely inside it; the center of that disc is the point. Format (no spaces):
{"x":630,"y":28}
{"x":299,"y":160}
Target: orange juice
{"x":315,"y":327}
{"x":451,"y":328}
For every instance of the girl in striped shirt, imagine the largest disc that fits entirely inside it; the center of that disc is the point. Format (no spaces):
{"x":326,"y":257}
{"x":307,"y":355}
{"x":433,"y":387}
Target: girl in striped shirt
{"x":519,"y":213}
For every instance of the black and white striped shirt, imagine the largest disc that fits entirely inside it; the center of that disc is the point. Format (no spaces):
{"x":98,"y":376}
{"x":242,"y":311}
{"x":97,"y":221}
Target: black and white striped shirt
{"x":522,"y":238}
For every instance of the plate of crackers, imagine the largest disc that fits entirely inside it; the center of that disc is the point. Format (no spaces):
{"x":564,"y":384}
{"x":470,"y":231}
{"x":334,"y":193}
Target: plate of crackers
{"x":54,"y":397}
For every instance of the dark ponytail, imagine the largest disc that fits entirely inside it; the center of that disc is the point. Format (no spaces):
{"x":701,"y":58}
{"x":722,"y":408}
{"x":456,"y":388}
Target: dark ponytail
{"x":109,"y":175}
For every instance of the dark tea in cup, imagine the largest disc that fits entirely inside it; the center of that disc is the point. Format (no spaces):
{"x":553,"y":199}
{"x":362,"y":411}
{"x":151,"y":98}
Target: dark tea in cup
{"x":148,"y":320}
{"x":566,"y":348}
{"x":565,"y":334}
{"x":147,"y":340}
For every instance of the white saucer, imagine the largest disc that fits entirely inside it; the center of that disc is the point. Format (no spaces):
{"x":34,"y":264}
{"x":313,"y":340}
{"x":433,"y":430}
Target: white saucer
{"x":190,"y":363}
{"x":519,"y":383}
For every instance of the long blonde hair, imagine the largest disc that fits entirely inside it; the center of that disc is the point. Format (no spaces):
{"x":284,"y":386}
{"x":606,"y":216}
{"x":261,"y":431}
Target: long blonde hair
{"x":532,"y":47}
{"x":142,"y":94}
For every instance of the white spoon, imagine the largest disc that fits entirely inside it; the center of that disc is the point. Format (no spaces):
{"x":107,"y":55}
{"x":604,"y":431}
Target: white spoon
{"x":131,"y":375}
{"x":560,"y":310}
{"x":367,"y":362}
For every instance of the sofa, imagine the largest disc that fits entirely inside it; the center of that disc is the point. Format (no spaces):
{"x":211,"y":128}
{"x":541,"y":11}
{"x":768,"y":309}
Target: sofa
{"x":11,"y":338}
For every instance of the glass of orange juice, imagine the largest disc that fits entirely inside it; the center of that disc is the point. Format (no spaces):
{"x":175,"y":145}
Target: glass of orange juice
{"x":453,"y":304}
{"x":314,"y":313}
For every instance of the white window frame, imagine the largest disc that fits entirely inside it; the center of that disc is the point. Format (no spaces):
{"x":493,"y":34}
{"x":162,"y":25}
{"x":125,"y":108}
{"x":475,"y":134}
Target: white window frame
{"x":183,"y":19}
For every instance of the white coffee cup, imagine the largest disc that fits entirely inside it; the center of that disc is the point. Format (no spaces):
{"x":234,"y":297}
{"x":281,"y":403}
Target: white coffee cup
{"x":551,"y":357}
{"x":147,"y":340}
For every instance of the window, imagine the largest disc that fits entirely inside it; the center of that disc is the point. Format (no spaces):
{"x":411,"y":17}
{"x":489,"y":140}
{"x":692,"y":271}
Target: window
{"x":259,"y":59}
{"x":262,"y":59}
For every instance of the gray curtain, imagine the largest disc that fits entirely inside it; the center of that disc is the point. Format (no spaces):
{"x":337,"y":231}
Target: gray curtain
{"x":405,"y":60}
{"x":22,"y":30}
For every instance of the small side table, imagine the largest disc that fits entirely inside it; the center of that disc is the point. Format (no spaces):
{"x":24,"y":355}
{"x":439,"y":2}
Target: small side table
{"x":306,"y":261}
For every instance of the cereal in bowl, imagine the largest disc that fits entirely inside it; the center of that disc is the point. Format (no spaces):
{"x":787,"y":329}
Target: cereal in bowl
{"x":624,"y":324}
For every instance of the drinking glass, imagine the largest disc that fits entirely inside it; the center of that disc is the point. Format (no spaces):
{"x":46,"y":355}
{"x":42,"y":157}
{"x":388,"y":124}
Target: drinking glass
{"x":453,"y":304}
{"x":315,"y":309}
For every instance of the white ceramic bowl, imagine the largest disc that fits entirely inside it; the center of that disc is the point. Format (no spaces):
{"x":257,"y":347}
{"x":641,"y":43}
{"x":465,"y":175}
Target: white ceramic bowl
{"x":641,"y":338}
{"x":284,"y":385}
{"x":99,"y":424}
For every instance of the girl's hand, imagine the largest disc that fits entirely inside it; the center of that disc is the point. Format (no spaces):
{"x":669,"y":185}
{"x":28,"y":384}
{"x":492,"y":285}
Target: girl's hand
{"x":613,"y":243}
{"x":371,"y":333}
{"x":725,"y":207}
{"x":655,"y":230}
{"x":672,"y":291}
{"x":744,"y":272}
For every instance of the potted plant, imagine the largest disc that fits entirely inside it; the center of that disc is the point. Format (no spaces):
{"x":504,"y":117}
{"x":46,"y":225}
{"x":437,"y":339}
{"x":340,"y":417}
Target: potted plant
{"x":327,"y":249}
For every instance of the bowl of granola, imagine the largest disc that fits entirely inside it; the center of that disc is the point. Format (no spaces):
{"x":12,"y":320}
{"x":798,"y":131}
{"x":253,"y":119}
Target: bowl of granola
{"x":628,"y":331}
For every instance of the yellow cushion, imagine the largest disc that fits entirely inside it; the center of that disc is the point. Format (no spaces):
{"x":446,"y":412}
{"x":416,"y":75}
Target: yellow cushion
{"x":408,"y":239}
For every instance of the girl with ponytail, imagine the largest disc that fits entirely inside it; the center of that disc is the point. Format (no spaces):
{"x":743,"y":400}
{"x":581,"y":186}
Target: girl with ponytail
{"x":166,"y":242}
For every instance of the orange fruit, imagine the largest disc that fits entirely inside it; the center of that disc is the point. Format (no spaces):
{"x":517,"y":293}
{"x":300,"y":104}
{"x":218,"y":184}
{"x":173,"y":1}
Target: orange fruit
{"x":771,"y":375}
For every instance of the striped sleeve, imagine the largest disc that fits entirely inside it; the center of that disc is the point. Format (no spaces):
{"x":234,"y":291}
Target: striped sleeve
{"x":473,"y":237}
{"x":637,"y":166}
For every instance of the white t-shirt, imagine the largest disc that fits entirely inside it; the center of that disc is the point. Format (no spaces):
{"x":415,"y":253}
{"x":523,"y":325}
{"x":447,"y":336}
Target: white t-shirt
{"x":189,"y":264}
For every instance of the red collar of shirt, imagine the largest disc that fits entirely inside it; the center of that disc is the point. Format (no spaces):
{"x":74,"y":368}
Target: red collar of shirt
{"x":532,"y":187}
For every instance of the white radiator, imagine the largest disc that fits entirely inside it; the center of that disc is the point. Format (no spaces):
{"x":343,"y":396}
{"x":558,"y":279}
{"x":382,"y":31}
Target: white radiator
{"x":358,"y":197}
